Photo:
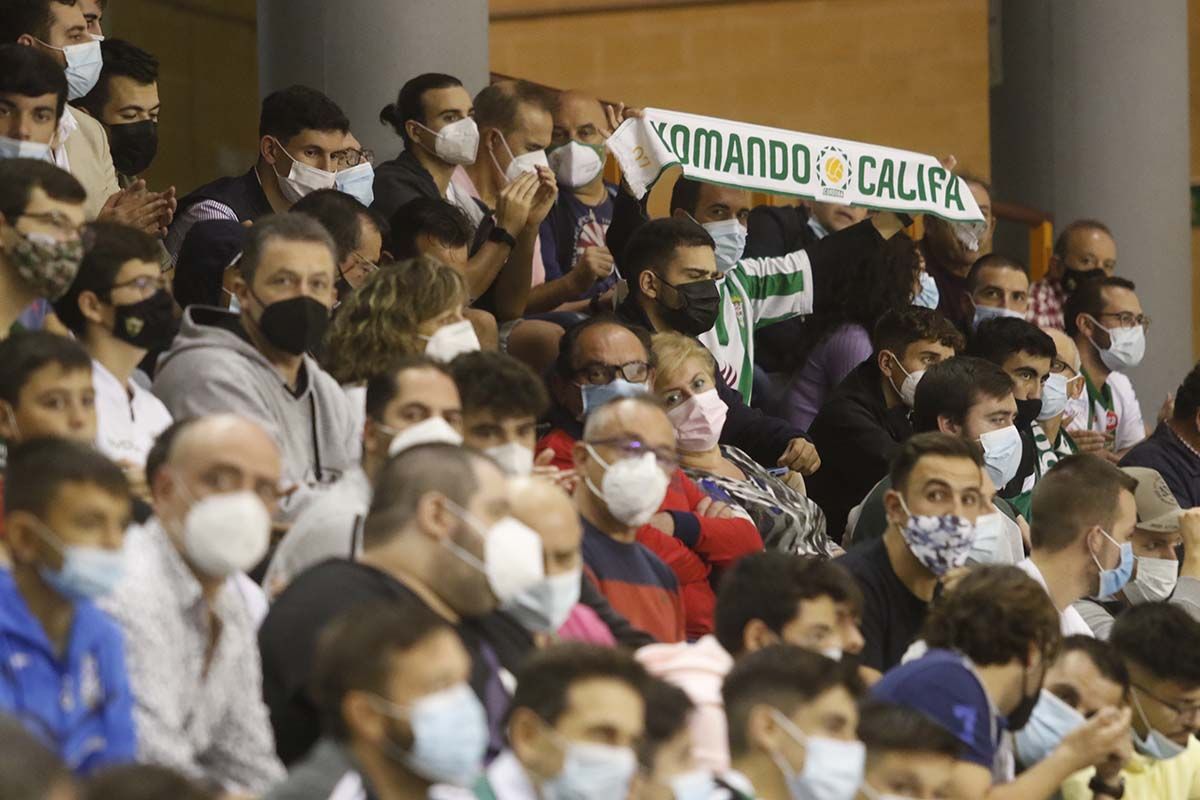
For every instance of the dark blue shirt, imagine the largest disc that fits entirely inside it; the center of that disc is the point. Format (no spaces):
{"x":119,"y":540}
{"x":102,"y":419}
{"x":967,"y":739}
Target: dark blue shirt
{"x":1164,"y":451}
{"x":570,"y":228}
{"x":79,"y":703}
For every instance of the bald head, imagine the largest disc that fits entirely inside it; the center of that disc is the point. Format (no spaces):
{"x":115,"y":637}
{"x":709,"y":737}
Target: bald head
{"x":218,"y":432}
{"x":547,"y":509}
{"x":579,"y":116}
{"x":1068,"y":353}
{"x":641,"y":417}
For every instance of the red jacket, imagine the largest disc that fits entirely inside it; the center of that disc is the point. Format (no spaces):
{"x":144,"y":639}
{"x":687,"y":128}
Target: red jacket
{"x":698,"y":546}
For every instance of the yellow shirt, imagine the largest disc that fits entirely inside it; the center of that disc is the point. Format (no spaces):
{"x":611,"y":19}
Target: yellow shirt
{"x":1146,"y":779}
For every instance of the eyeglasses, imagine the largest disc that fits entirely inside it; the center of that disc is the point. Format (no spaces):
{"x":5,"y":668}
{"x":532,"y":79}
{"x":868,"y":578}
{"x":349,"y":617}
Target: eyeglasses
{"x":1127,"y":319}
{"x":632,"y":447}
{"x":365,"y":264}
{"x":352,"y":158}
{"x":1181,"y":712}
{"x":145,"y":284}
{"x":632,"y":371}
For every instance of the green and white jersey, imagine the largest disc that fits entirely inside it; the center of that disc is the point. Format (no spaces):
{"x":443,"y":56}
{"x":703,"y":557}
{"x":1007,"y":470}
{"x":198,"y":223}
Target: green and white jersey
{"x":757,"y":292}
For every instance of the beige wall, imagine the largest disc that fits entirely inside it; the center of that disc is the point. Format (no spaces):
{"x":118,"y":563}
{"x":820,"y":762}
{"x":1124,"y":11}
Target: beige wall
{"x":1194,"y":107}
{"x":907,"y":74}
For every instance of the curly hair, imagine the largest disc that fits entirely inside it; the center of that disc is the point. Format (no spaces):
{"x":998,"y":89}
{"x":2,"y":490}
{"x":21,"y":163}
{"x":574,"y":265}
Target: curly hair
{"x":379,"y":320}
{"x":871,"y":287}
{"x":993,"y":616}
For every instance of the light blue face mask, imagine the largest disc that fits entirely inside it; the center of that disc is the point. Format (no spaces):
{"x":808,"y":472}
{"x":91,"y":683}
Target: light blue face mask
{"x":592,"y":771}
{"x":597,"y":394}
{"x":929,"y":296}
{"x":86,"y":572}
{"x":985,"y":313}
{"x":1051,"y":722}
{"x":730,"y":237}
{"x":1002,"y":454}
{"x":1114,"y":580}
{"x":358,"y":182}
{"x":695,"y":785}
{"x":450,"y":734}
{"x":1156,"y":745}
{"x":16,"y":148}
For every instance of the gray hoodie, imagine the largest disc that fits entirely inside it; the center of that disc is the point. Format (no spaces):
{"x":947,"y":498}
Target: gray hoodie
{"x":210,"y":368}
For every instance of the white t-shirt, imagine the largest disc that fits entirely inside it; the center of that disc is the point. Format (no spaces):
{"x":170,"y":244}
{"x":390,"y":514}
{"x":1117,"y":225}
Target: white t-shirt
{"x":128,"y":419}
{"x":1071,"y":620}
{"x":1131,"y":429}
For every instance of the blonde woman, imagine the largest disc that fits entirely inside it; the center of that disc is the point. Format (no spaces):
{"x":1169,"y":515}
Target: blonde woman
{"x":685,"y":379}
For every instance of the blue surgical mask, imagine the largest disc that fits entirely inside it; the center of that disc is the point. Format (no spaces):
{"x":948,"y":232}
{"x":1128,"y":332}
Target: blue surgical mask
{"x":989,"y":534}
{"x":730,"y":238}
{"x":1002,"y":454}
{"x":450,"y":734}
{"x":358,"y":182}
{"x":84,"y":62}
{"x":1052,"y":720}
{"x":597,"y":394}
{"x":833,"y":769}
{"x":1055,"y":395}
{"x":929,"y":296}
{"x":86,"y":572}
{"x":1114,"y":580}
{"x":16,"y":148}
{"x":592,"y":771}
{"x":985,"y":313}
{"x":1156,"y":745}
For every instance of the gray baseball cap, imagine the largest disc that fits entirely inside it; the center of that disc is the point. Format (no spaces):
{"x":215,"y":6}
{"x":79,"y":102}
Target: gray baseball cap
{"x":1157,"y":508}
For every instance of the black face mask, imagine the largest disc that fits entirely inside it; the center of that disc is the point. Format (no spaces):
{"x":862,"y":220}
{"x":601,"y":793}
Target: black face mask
{"x":149,"y":324}
{"x":1021,"y":714}
{"x":1027,"y":412}
{"x":699,"y":305}
{"x":296,"y":325}
{"x":133,"y":145}
{"x":1073,"y":279}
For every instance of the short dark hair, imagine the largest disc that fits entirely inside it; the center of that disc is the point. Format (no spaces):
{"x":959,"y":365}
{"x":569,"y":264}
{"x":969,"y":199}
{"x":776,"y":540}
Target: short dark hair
{"x":654,"y":244}
{"x":122,"y":59}
{"x":38,"y":468}
{"x":1088,"y":299}
{"x":770,"y":586}
{"x":1161,"y":638}
{"x":930,"y":443}
{"x":289,"y":227}
{"x":34,"y":17}
{"x":899,"y":328}
{"x":999,"y":339}
{"x":20,"y":176}
{"x":287,"y":112}
{"x":546,"y":677}
{"x":354,"y":653}
{"x":25,"y":352}
{"x":29,"y":769}
{"x":209,"y":248}
{"x":160,"y":451}
{"x":410,"y":104}
{"x":497,"y":104}
{"x":1078,"y":492}
{"x":783,"y":676}
{"x":1064,"y":237}
{"x":951,"y":387}
{"x":685,"y":195}
{"x":1187,"y":396}
{"x":890,"y":728}
{"x":992,"y":261}
{"x":383,"y":385}
{"x":564,"y":364}
{"x":1102,"y":654}
{"x":993,"y":616}
{"x":412,"y":474}
{"x":110,"y":245}
{"x":668,"y":709}
{"x":340,"y":214}
{"x":29,"y":72}
{"x":443,"y":222}
{"x":497,"y":382}
{"x":144,"y":782}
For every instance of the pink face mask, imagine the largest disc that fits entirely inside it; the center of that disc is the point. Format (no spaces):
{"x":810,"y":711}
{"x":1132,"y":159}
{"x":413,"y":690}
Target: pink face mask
{"x":698,"y":421}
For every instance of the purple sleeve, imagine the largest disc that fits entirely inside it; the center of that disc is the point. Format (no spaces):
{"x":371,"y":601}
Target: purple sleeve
{"x":845,"y":349}
{"x":549,"y":244}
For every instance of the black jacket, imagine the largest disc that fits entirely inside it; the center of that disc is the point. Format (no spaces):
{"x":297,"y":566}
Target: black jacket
{"x":775,"y":231}
{"x":400,"y":180}
{"x":857,"y":435}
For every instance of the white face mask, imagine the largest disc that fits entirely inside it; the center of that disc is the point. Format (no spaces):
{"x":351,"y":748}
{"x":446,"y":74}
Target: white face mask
{"x":302,"y":179}
{"x":451,"y":340}
{"x":989,"y":535}
{"x":456,"y":143}
{"x":226,"y":533}
{"x":512,"y":554}
{"x":1154,"y":581}
{"x":1126,"y":348}
{"x":575,"y":164}
{"x":1002,"y":454}
{"x":433,"y":430}
{"x":358,"y":182}
{"x":985,"y":313}
{"x":969,"y":234}
{"x":730,"y":236}
{"x":908,"y":389}
{"x":1055,"y":395}
{"x":16,"y":148}
{"x":833,"y":769}
{"x":513,"y":457}
{"x":84,"y":62}
{"x":545,"y":606}
{"x":632,"y":489}
{"x":519,"y":165}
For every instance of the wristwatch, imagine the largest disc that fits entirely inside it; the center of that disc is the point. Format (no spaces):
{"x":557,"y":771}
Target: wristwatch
{"x":1098,"y":786}
{"x":501,"y":236}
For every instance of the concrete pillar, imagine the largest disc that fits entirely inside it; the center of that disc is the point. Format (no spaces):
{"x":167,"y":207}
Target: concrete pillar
{"x":360,"y":52}
{"x":1090,"y":119}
